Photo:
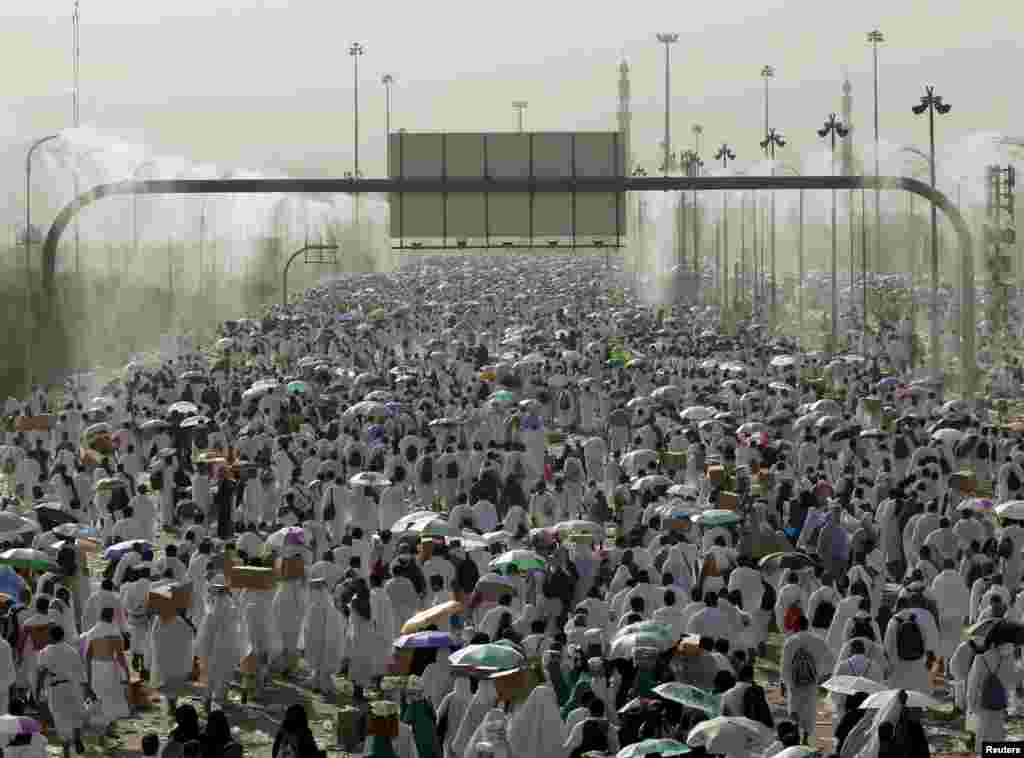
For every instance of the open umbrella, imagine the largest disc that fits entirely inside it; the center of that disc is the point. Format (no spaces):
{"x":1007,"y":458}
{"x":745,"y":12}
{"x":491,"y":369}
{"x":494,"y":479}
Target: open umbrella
{"x":641,"y":704}
{"x":851,"y":685}
{"x":976,"y":504}
{"x":488,"y":657}
{"x":50,"y":515}
{"x":27,"y":558}
{"x":778,"y":561}
{"x":521,"y":560}
{"x":109,"y":484}
{"x":154,"y":425}
{"x":11,"y":523}
{"x":1013,"y":509}
{"x":915,"y":699}
{"x":624,"y":646}
{"x":18,"y":726}
{"x":193,"y":422}
{"x":432,"y":616}
{"x":651,"y":482}
{"x":369,"y":479}
{"x":76,"y":531}
{"x":663,"y":747}
{"x":297,"y":388}
{"x":595,"y":530}
{"x":494,"y":586}
{"x":290,"y":536}
{"x":697,"y":413}
{"x":114,"y":552}
{"x":717,"y":517}
{"x":730,"y":735}
{"x":183,"y":407}
{"x":691,"y":697}
{"x":431,"y":640}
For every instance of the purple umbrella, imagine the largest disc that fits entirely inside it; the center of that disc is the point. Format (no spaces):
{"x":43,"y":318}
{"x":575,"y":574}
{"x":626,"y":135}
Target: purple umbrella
{"x":428,"y":640}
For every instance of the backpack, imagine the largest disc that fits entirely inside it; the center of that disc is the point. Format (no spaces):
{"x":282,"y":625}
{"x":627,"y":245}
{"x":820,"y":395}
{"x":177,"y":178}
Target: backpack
{"x":452,"y":472}
{"x":805,"y":670}
{"x":595,"y":734}
{"x":993,"y":693}
{"x":755,"y":707}
{"x":710,"y":567}
{"x":901,"y":448}
{"x":1005,"y":549}
{"x":768,"y":597}
{"x":156,"y":480}
{"x":427,"y":471}
{"x":909,"y":640}
{"x":1013,"y":482}
{"x":791,"y":617}
{"x":823,"y":615}
{"x":861,"y":627}
{"x":329,"y":510}
{"x":289,"y":746}
{"x":565,"y":402}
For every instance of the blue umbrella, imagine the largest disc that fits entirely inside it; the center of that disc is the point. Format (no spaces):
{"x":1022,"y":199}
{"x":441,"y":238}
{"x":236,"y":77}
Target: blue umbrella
{"x":11,"y":584}
{"x":428,"y":640}
{"x":114,"y":552}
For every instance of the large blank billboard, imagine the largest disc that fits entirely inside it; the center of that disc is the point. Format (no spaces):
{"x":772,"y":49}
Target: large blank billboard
{"x":483,"y":218}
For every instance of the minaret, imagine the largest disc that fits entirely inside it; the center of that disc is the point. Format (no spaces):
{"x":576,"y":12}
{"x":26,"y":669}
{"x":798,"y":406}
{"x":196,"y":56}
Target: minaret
{"x":624,"y":115}
{"x":847,"y":146}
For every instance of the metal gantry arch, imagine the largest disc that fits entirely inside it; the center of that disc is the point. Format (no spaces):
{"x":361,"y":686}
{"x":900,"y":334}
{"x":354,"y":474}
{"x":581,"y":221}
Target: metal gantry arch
{"x":487,"y":185}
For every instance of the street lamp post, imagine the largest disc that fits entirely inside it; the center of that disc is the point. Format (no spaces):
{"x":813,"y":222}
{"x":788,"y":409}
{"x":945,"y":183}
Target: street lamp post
{"x":135,"y":209}
{"x":875,"y":38}
{"x":638,"y":171}
{"x":768,"y":144}
{"x":387,"y":80}
{"x":799,"y":254}
{"x":519,"y":106}
{"x":28,"y":250}
{"x":667,"y":39}
{"x":931,"y":103}
{"x":691,"y":163}
{"x":725,"y":154}
{"x":355,"y":50}
{"x":698,"y":130}
{"x":834,"y":127}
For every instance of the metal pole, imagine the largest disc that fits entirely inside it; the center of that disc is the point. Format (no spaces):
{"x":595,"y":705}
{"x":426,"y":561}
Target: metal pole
{"x":755,"y":253}
{"x":835,"y":261}
{"x":725,"y":249}
{"x":864,"y":257}
{"x":800,"y":266}
{"x":774,"y":283}
{"x":667,"y":39}
{"x":936,"y":342}
{"x":878,"y":212}
{"x":28,"y":256}
{"x":743,"y":245}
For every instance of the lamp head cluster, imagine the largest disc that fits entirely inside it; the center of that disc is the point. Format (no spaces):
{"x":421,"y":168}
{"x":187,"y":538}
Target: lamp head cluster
{"x":833,"y":125}
{"x":725,"y":154}
{"x":773,"y":139}
{"x":931,"y":100}
{"x":668,"y":38}
{"x":875,"y":37}
{"x":356,"y":49}
{"x":387,"y":80}
{"x":768,"y":72}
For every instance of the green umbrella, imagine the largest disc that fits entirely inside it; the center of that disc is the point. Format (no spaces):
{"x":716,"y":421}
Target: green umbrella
{"x":503,"y":396}
{"x":523,"y":560}
{"x":651,"y":628}
{"x":717,"y":517}
{"x":490,"y":656}
{"x":27,"y":558}
{"x":691,"y":697}
{"x":647,"y":747}
{"x":297,"y":388}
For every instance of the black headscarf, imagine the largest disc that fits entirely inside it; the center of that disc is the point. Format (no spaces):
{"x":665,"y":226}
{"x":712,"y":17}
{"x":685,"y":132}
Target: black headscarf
{"x":295,"y":729}
{"x":187,"y":724}
{"x":216,"y":735}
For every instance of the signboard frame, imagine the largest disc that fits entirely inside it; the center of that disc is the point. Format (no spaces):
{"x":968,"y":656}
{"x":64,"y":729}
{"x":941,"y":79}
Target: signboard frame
{"x":411,"y":157}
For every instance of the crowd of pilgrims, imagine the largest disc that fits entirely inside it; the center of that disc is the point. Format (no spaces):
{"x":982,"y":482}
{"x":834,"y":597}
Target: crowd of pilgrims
{"x":888,"y":576}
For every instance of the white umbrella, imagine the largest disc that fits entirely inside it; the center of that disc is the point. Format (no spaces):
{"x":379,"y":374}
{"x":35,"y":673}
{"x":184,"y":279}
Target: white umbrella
{"x":730,"y":735}
{"x":915,"y":699}
{"x":369,"y":479}
{"x":783,"y":361}
{"x":1014,"y":509}
{"x":697,"y":413}
{"x":851,"y":685}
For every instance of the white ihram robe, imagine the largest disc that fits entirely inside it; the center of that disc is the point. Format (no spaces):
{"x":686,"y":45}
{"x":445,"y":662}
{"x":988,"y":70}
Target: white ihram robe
{"x":109,"y":676}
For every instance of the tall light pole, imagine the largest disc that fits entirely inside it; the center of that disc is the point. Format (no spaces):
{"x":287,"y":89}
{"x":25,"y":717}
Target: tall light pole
{"x":519,"y":106}
{"x":76,"y":23}
{"x":725,"y":154}
{"x":698,"y":131}
{"x":875,"y":38}
{"x":135,"y":208}
{"x":691,"y":163}
{"x":667,"y":39}
{"x":768,"y":144}
{"x":28,"y":253}
{"x":931,"y":103}
{"x":834,"y":127}
{"x":355,"y":51}
{"x":767,"y":73}
{"x":799,"y":255}
{"x":387,"y":80}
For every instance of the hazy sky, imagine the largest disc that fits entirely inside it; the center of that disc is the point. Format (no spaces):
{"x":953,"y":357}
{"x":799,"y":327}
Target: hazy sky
{"x":269,"y":84}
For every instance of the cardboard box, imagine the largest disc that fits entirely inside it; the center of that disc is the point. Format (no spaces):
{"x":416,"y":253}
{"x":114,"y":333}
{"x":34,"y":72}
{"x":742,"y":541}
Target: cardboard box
{"x":106,"y":647}
{"x":512,"y":686}
{"x":168,"y":600}
{"x":675,"y":524}
{"x":378,"y":726}
{"x":716,"y":474}
{"x":40,"y":634}
{"x":251,"y":578}
{"x":290,"y":568}
{"x":33,"y":423}
{"x":728,"y":501}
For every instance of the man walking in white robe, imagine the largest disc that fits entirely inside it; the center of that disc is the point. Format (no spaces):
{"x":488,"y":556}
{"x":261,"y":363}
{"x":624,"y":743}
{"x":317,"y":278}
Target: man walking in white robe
{"x":322,"y":632}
